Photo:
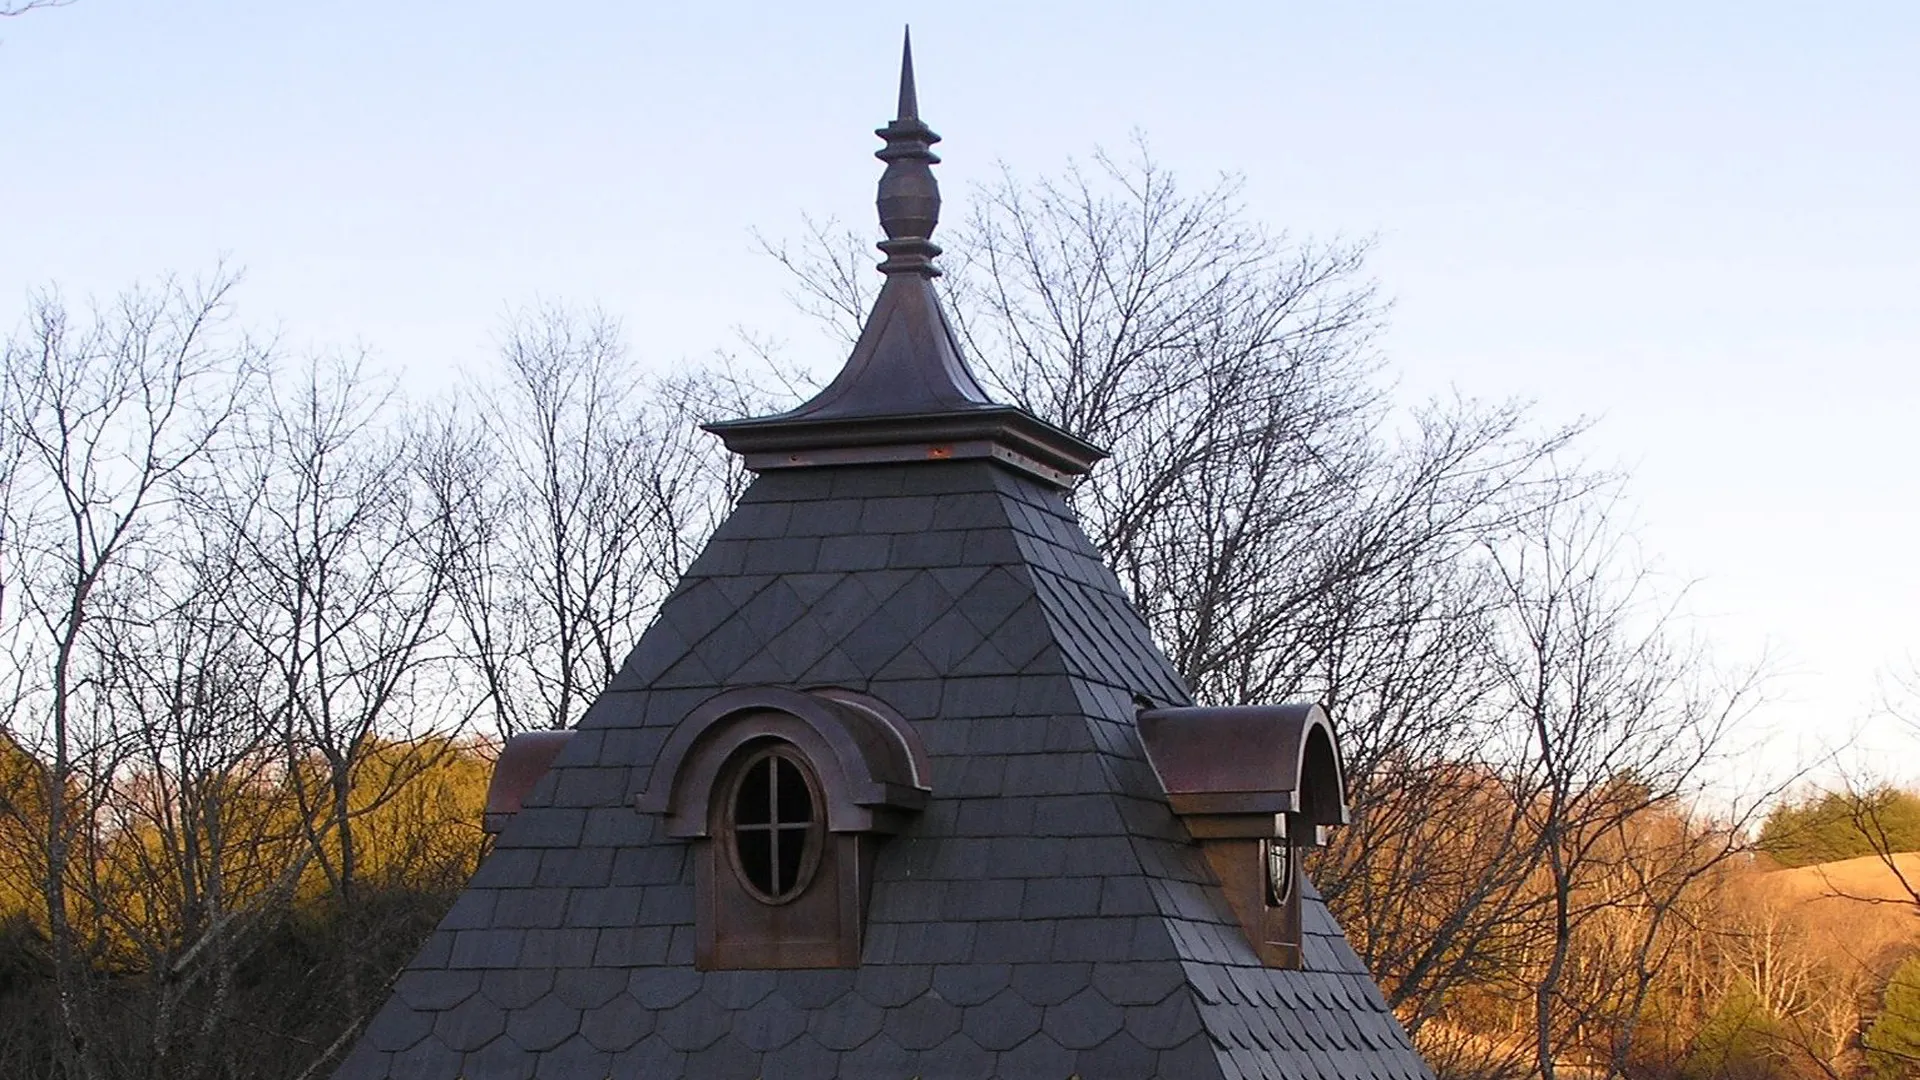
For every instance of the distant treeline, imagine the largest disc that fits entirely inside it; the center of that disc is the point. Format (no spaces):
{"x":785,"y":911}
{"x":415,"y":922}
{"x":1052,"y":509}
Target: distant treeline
{"x":1840,"y":825}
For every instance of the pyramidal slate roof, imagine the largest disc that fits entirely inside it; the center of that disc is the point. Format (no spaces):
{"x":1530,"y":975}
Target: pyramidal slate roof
{"x":1046,"y":915}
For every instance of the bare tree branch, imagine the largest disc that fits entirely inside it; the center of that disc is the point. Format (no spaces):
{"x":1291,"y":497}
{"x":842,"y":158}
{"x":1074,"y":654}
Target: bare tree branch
{"x":10,"y":8}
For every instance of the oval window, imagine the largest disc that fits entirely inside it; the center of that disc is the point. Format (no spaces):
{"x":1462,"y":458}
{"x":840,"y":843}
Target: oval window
{"x":1280,"y":871}
{"x":776,"y":825}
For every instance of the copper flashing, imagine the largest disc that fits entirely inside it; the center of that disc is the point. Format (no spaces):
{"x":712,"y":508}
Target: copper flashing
{"x":1001,"y":432}
{"x":522,"y":762}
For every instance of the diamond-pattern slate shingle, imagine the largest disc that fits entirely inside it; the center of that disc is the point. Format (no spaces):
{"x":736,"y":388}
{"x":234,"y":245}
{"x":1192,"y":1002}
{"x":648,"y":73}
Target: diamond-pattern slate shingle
{"x":1046,"y":916}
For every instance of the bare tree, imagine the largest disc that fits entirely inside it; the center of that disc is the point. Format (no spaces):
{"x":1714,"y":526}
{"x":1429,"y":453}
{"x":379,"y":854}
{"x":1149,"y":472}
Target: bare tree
{"x":21,"y":7}
{"x":579,"y":495}
{"x":201,"y":848}
{"x":341,"y":573}
{"x":1620,"y":727}
{"x":103,"y":420}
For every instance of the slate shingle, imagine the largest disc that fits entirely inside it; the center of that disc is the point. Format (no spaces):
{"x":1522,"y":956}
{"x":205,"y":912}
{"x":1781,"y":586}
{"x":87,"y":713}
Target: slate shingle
{"x":1083,"y":1021}
{"x":1002,"y":1022}
{"x":651,"y":1056}
{"x":516,"y":988}
{"x":471,"y":1024}
{"x":847,"y":1023}
{"x":801,"y":1059}
{"x":397,"y":1027}
{"x":815,"y":988}
{"x":574,"y":1057}
{"x":1039,"y":1056}
{"x":428,"y":1059}
{"x":568,"y":947}
{"x":617,"y":1024}
{"x":737,"y":991}
{"x":879,"y":1056}
{"x":663,"y":987}
{"x":1121,"y":1057}
{"x":694,"y":1024}
{"x":769,"y":1025}
{"x":364,"y":1060}
{"x":543,"y":1025}
{"x":956,"y":1058}
{"x":570,"y":867}
{"x":923,"y":1023}
{"x":588,"y":987}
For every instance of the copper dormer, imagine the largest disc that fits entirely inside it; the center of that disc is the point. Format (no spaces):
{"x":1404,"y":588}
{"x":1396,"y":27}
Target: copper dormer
{"x":906,"y":393}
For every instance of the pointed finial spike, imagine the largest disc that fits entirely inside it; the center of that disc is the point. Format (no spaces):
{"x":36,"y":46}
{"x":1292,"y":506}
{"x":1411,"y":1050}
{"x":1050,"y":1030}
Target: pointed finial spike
{"x":909,"y":100}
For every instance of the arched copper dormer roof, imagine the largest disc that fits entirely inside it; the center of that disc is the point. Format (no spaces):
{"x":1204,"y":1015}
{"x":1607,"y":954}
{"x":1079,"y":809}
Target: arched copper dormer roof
{"x":1248,"y":759}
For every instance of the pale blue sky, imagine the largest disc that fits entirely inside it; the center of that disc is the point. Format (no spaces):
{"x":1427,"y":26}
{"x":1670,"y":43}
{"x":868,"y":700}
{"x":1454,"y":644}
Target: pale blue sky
{"x":1698,"y":222}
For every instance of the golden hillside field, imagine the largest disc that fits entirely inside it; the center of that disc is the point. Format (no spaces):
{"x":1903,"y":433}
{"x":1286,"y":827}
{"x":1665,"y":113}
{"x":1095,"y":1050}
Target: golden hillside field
{"x":1867,"y":878}
{"x":1860,"y":902}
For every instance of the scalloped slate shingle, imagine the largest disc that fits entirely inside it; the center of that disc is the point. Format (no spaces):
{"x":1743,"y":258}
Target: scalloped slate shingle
{"x":1045,"y":917}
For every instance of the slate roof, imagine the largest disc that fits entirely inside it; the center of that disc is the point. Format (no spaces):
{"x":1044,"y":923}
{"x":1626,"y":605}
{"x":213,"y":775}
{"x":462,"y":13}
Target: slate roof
{"x":1046,"y":916}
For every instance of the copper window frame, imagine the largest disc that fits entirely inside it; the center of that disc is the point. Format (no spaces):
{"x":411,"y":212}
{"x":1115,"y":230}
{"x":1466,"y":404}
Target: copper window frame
{"x":814,"y":836}
{"x":1279,"y":894}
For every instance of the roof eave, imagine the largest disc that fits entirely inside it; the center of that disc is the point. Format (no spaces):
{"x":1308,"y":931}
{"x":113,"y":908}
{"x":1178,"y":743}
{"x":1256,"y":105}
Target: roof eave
{"x":1003,"y":433}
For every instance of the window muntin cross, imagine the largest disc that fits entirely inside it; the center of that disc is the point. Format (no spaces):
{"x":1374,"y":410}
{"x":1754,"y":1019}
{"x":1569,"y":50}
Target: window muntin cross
{"x":776,"y":826}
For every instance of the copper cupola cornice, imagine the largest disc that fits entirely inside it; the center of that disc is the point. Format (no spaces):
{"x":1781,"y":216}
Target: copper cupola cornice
{"x":906,"y":393}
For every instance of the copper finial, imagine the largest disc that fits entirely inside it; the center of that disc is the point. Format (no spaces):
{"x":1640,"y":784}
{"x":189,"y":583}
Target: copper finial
{"x":909,"y":197}
{"x":906,"y":393}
